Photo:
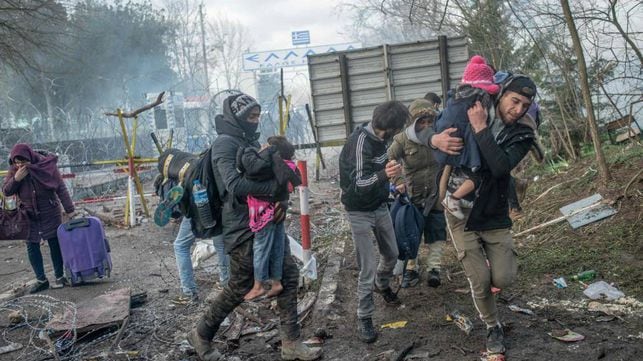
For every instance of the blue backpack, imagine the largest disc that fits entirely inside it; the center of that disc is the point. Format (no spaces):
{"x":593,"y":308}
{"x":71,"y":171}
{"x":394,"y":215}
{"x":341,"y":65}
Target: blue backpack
{"x":408,"y":223}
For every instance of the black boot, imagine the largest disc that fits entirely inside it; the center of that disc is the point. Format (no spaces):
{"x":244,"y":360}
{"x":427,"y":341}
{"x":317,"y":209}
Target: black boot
{"x":495,"y":340}
{"x":390,"y":297}
{"x":434,"y":278}
{"x":203,"y":347}
{"x":366,"y":330}
{"x":410,"y":279}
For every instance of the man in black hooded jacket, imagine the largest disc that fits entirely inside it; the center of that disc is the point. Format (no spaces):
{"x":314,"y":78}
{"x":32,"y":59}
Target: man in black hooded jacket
{"x":237,"y":128}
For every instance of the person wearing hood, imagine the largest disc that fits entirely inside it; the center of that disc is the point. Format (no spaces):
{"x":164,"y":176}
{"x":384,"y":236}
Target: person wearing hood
{"x":35,"y":179}
{"x":237,"y":129}
{"x":419,"y":182}
{"x":364,"y":173}
{"x":518,"y":185}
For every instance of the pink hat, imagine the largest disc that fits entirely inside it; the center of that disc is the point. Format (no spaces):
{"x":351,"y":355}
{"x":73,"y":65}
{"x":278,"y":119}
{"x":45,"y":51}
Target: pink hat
{"x":480,"y":75}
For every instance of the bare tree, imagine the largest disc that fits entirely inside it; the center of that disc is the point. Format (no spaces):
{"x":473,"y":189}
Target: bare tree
{"x":228,"y":40}
{"x":186,"y":43}
{"x":587,"y":98}
{"x":28,"y":27}
{"x":532,"y":37}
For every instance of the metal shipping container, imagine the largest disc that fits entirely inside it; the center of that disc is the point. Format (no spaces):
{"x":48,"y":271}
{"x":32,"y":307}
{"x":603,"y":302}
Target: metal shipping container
{"x":346,"y":86}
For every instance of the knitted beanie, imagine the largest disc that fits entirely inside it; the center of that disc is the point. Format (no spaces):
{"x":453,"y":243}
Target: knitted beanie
{"x":241,"y":104}
{"x":480,"y":75}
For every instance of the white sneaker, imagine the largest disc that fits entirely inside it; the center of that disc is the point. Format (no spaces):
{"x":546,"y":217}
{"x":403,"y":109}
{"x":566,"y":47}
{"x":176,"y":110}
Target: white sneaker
{"x":453,"y":207}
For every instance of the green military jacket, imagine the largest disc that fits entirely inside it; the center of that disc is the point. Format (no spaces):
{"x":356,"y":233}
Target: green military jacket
{"x":420,"y":168}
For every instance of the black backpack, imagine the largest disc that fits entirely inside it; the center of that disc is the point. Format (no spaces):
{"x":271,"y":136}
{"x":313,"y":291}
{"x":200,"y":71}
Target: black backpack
{"x":183,"y":168}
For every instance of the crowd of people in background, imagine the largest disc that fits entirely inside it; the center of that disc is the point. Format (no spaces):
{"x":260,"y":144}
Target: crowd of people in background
{"x":454,"y":166}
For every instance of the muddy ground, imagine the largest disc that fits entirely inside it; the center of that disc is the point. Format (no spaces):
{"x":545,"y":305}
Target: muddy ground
{"x":144,"y":262}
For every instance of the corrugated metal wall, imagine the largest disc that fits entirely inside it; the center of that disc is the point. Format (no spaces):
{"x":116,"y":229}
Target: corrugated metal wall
{"x":366,"y":77}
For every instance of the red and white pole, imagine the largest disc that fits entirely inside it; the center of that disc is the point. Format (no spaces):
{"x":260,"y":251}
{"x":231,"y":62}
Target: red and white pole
{"x":131,"y":192}
{"x":304,"y":208}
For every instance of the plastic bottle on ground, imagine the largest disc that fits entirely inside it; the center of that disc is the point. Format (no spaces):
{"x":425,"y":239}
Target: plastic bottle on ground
{"x":584,"y":276}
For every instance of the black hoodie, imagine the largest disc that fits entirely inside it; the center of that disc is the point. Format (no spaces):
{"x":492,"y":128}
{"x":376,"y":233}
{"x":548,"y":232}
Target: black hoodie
{"x":233,"y":187}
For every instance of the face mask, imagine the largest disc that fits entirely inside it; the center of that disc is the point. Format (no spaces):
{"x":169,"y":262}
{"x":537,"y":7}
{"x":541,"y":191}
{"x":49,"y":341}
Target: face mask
{"x":248,"y":127}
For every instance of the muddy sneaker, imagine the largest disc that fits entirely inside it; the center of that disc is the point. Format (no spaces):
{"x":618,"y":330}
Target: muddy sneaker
{"x":203,"y":347}
{"x":390,"y":298}
{"x":366,"y":330}
{"x":495,"y":340}
{"x":452,"y":206}
{"x":39,"y":286}
{"x":297,"y":350}
{"x":60,"y":282}
{"x":434,"y":278}
{"x":410,"y":279}
{"x":186,"y":299}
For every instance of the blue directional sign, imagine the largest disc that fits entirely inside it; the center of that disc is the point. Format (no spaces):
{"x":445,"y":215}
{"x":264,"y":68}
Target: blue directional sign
{"x":301,"y":37}
{"x":275,"y":59}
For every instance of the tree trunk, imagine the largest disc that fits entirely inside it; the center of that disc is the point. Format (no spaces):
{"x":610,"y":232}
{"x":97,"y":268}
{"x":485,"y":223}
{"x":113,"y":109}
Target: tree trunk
{"x":50,"y":106}
{"x":587,"y":99}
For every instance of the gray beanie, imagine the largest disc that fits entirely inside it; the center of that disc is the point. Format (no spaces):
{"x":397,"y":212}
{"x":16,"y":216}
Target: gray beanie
{"x":241,"y":105}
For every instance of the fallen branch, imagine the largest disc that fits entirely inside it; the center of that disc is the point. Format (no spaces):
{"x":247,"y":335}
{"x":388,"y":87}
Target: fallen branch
{"x":464,"y":353}
{"x":627,"y":187}
{"x":550,"y":189}
{"x":136,"y":112}
{"x":559,"y":219}
{"x":119,"y":336}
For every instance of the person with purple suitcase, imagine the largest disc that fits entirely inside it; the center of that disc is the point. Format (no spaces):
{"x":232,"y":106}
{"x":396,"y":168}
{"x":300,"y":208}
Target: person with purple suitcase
{"x":85,"y":250}
{"x":34,"y":177}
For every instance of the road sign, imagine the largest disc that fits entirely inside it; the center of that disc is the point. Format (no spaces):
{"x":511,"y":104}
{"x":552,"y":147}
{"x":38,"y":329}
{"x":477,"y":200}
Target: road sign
{"x":275,"y":59}
{"x":301,"y":37}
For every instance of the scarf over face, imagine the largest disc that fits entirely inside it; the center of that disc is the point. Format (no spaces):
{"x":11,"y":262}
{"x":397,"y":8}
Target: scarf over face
{"x":42,"y":168}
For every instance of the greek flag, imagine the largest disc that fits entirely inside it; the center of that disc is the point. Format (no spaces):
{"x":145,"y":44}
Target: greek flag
{"x":301,"y":37}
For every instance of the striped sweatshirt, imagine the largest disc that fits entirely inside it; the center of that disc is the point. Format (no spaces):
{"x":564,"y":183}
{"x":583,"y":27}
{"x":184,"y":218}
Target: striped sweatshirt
{"x":362,"y":178}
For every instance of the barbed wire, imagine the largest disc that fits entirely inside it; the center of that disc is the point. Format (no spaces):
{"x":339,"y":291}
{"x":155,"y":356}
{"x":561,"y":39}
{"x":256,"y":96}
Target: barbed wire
{"x":33,"y":313}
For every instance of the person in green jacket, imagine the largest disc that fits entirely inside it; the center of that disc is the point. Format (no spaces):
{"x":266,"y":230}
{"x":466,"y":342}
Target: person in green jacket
{"x":419,"y":181}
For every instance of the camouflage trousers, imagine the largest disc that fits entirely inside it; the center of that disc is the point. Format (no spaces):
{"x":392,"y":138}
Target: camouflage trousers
{"x":240,"y":283}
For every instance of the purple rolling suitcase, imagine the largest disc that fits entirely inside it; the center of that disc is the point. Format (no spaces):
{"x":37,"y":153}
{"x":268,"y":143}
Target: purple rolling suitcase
{"x":85,"y":250}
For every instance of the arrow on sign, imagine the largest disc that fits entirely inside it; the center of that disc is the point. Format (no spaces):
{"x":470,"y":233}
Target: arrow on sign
{"x":253,"y":57}
{"x":289,"y":54}
{"x":271,"y":55}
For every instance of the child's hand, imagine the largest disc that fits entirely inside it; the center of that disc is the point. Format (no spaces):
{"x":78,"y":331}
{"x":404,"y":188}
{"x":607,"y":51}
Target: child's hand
{"x":264,"y":146}
{"x":477,"y":116}
{"x":401,"y":189}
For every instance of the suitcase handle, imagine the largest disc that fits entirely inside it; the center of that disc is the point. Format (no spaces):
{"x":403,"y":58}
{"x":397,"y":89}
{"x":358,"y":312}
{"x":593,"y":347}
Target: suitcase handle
{"x":76,"y":223}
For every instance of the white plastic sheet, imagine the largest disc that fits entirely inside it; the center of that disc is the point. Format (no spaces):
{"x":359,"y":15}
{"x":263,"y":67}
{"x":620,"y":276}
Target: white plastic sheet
{"x":309,"y":270}
{"x":203,"y":250}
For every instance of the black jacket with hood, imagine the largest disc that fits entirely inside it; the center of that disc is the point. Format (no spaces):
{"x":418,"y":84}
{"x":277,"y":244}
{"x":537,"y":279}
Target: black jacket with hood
{"x":233,"y":187}
{"x":365,"y":186}
{"x":500,"y":155}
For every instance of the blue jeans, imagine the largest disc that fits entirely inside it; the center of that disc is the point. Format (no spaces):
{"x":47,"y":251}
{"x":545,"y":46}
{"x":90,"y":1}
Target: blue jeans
{"x":182,"y":246}
{"x":35,"y":258}
{"x":268,"y":250}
